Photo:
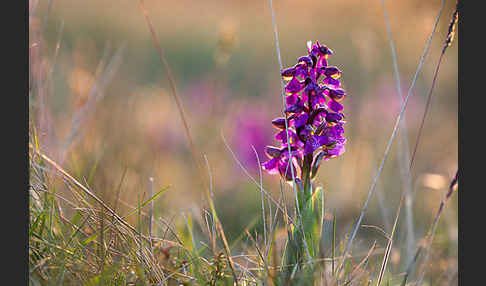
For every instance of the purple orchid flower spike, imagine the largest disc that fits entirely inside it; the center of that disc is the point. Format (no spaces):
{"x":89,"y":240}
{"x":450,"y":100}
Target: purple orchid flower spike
{"x":314,"y":116}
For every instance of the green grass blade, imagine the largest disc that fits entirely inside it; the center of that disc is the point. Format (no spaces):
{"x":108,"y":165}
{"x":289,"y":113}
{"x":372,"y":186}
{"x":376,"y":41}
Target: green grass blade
{"x":147,"y":202}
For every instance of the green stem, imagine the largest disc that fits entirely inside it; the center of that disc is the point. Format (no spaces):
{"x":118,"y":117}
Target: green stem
{"x":306,"y":177}
{"x":307,"y":192}
{"x":295,"y":249}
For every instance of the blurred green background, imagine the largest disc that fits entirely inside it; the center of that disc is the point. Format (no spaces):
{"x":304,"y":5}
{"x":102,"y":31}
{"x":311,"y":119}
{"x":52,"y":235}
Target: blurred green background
{"x":223,"y":57}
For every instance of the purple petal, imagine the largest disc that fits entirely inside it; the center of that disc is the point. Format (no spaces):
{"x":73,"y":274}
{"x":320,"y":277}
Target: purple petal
{"x":300,"y":120}
{"x":272,"y":152}
{"x":286,"y":154}
{"x":292,"y":99}
{"x":305,"y":60}
{"x":305,"y":133}
{"x":336,"y":151}
{"x":285,"y":171}
{"x":312,"y":87}
{"x":309,"y":148}
{"x":271,"y":166}
{"x":282,"y":136}
{"x":325,"y":50}
{"x":314,"y":59}
{"x":322,"y":63}
{"x":340,"y":140}
{"x":294,"y":104}
{"x":301,"y":70}
{"x":313,"y":143}
{"x":322,"y":140}
{"x":314,"y":74}
{"x":319,"y":117}
{"x":337,"y":94}
{"x":318,"y":99}
{"x":338,"y":129}
{"x":334,"y":83}
{"x":335,"y":106}
{"x":334,"y":133}
{"x":294,"y":86}
{"x":288,"y":74}
{"x":297,"y":108}
{"x":333,"y":72}
{"x":334,"y":117}
{"x":279,"y":123}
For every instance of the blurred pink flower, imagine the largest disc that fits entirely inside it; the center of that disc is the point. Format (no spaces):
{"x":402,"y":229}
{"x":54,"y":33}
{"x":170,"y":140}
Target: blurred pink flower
{"x":383,"y":103}
{"x":205,"y":97}
{"x":249,"y":127}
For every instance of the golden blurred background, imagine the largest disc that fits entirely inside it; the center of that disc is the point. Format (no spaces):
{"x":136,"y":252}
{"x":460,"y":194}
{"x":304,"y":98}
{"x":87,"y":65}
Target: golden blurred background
{"x":223,"y":57}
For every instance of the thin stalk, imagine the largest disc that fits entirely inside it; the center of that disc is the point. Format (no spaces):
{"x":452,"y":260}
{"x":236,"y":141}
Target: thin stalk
{"x":435,"y":224}
{"x":86,"y":191}
{"x":262,"y":198}
{"x":174,"y":93}
{"x":284,"y":103}
{"x":333,"y":241}
{"x":151,"y":210}
{"x":405,"y":154}
{"x":202,"y":174}
{"x":281,"y":208}
{"x":390,"y":141}
{"x":389,"y":244}
{"x":447,"y":43}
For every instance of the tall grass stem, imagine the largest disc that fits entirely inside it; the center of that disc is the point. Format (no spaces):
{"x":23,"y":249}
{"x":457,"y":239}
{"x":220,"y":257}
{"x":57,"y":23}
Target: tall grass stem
{"x":390,"y":141}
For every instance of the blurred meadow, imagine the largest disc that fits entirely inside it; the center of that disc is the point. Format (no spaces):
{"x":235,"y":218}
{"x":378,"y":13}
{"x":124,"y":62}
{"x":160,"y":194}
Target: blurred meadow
{"x":101,"y":107}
